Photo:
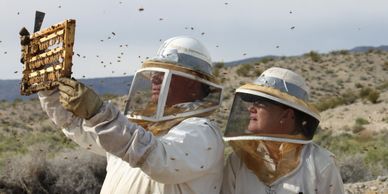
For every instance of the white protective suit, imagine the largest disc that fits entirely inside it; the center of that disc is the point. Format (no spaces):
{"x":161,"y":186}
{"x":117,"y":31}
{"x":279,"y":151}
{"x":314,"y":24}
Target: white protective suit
{"x":316,"y":173}
{"x":187,"y":159}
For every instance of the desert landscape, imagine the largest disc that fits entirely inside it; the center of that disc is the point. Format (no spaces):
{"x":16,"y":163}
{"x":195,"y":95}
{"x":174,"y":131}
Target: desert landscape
{"x":349,"y":88}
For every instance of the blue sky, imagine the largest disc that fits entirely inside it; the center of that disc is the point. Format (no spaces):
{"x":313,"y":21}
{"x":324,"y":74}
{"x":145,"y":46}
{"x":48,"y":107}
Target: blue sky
{"x":230,"y":29}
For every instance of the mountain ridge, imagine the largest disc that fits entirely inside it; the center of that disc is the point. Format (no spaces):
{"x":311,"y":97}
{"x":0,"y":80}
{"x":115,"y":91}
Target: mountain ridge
{"x":10,"y":89}
{"x":103,"y":86}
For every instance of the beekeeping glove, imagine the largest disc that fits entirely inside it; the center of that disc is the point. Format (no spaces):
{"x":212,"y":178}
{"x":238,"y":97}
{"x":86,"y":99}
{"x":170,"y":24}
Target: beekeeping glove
{"x":24,"y":40}
{"x":78,"y":98}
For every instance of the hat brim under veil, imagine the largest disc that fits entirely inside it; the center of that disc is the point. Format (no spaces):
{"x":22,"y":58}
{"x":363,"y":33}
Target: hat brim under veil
{"x":140,"y":106}
{"x":239,"y":118}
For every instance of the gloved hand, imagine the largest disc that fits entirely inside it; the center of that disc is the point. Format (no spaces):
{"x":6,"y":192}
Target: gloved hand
{"x":24,"y":36}
{"x":78,"y":98}
{"x":24,"y":40}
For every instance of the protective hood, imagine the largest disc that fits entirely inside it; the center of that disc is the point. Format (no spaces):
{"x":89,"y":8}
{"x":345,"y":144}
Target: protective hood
{"x":259,"y":106}
{"x":164,"y":91}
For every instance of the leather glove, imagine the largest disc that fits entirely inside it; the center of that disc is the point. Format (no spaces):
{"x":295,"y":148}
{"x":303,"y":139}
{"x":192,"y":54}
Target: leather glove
{"x":24,"y":40}
{"x":24,"y":36}
{"x":78,"y":98}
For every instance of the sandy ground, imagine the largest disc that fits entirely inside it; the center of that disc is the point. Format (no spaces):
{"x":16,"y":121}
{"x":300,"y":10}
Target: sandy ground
{"x":343,"y":118}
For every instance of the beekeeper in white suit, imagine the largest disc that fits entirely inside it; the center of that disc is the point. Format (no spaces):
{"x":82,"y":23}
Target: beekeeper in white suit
{"x":163,"y":142}
{"x":270,"y":127}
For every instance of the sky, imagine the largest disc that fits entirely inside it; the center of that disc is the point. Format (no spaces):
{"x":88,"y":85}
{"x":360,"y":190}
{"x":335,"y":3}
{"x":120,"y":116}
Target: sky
{"x":230,"y":29}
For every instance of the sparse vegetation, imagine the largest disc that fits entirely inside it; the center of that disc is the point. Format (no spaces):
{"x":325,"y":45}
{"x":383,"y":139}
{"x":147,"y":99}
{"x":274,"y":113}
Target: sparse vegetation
{"x":359,"y":125}
{"x":314,"y":56}
{"x":108,"y":96}
{"x":374,"y":96}
{"x":326,"y":103}
{"x":217,"y":67}
{"x":383,"y":86}
{"x":370,"y":94}
{"x":340,"y":52}
{"x":359,"y":157}
{"x":245,"y":70}
{"x":216,"y":72}
{"x":361,"y":121}
{"x":265,"y":60}
{"x":385,"y":66}
{"x":37,"y":172}
{"x":358,"y":85}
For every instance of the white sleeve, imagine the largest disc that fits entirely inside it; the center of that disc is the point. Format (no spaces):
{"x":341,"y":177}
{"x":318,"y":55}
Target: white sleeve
{"x":118,"y":136}
{"x":229,"y":180}
{"x":329,"y":180}
{"x":70,"y":124}
{"x":49,"y":101}
{"x":107,"y":131}
{"x":189,"y":150}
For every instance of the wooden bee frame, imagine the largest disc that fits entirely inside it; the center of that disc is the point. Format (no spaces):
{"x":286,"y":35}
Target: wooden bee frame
{"x":47,"y":57}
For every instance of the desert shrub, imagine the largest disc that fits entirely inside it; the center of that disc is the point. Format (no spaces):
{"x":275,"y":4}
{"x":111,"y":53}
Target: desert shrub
{"x":358,"y":85}
{"x":361,"y":121}
{"x":219,"y":65}
{"x":353,"y":169}
{"x":344,"y":52}
{"x":17,"y":144}
{"x":339,"y":82}
{"x":385,"y":65}
{"x":245,"y":70}
{"x":81,"y":172}
{"x":358,"y":128}
{"x":314,"y":56}
{"x":364,"y":92}
{"x":383,"y":86}
{"x":108,"y":96}
{"x":370,"y":51}
{"x":369,"y":152}
{"x":257,"y":72}
{"x":72,"y":172}
{"x":377,"y":152}
{"x":370,"y":94}
{"x":16,"y":102}
{"x":265,"y":60}
{"x":373,"y":96}
{"x":326,"y":103}
{"x":47,"y":125}
{"x":385,"y":119}
{"x":329,"y":71}
{"x":348,"y":97}
{"x":340,"y":52}
{"x":216,"y":72}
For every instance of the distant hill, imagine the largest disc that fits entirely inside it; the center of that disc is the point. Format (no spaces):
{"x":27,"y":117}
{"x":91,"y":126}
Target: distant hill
{"x":249,"y":60}
{"x":253,"y":60}
{"x":10,"y":89}
{"x":367,"y":48}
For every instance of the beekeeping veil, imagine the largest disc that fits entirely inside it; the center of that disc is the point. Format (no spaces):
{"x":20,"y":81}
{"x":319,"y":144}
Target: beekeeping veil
{"x":270,"y":153}
{"x":175,"y":85}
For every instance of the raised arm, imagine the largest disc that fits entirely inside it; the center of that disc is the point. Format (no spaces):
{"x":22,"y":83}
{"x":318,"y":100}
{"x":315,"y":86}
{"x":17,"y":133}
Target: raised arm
{"x":189,"y":150}
{"x":71,"y":125}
